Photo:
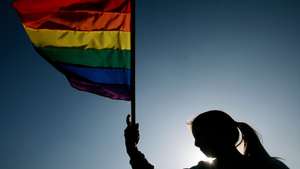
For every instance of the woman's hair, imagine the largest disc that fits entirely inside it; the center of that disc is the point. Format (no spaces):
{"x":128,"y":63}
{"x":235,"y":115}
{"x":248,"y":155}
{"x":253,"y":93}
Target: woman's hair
{"x":222,"y":127}
{"x":254,"y":147}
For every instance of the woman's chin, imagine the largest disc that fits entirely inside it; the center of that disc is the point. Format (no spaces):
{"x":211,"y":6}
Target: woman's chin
{"x":209,"y":154}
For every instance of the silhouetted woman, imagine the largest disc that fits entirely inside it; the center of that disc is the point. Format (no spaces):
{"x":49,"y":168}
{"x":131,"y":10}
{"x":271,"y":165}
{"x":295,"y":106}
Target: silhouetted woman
{"x":216,"y":134}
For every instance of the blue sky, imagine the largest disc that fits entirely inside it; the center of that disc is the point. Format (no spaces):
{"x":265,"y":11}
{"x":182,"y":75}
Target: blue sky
{"x":192,"y":56}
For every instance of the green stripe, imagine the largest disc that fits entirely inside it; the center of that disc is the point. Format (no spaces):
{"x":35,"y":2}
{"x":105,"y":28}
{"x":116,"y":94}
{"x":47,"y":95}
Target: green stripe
{"x":104,"y":58}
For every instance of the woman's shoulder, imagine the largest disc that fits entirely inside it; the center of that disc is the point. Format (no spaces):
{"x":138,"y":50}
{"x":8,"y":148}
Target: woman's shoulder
{"x":277,"y":164}
{"x":201,"y":165}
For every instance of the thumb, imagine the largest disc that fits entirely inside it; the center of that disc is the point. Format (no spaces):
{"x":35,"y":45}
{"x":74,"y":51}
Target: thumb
{"x":128,"y":122}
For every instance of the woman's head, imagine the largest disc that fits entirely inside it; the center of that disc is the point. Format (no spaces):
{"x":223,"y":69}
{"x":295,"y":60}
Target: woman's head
{"x":215,"y":132}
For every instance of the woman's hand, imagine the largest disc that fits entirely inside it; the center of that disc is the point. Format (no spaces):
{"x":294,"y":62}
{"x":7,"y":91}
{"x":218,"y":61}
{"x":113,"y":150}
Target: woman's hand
{"x":132,"y":136}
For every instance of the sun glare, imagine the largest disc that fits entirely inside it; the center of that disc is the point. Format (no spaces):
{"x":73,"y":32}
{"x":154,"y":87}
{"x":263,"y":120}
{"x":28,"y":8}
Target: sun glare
{"x":240,"y":144}
{"x":210,"y":160}
{"x":196,"y":155}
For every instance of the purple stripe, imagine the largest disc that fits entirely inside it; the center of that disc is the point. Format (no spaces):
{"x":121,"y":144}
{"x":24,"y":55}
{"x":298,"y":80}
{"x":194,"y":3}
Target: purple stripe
{"x":118,"y":92}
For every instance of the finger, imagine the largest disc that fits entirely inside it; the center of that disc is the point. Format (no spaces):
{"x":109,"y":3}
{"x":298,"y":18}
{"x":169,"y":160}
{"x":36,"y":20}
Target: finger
{"x":136,"y":126}
{"x":128,"y":120}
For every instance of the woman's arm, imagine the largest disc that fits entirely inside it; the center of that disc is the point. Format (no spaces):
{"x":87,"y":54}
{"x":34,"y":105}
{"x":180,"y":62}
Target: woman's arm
{"x":137,"y":159}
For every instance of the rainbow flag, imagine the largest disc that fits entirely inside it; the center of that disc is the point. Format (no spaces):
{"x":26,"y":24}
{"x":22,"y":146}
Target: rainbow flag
{"x":89,"y":41}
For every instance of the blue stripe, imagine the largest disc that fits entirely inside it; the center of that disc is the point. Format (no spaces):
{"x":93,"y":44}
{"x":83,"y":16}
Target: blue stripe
{"x":97,"y":75}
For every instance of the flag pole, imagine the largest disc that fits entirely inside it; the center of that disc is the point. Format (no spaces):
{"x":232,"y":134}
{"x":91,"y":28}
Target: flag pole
{"x":132,"y":82}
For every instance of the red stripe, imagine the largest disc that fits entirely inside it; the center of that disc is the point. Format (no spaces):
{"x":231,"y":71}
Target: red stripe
{"x":75,"y":20}
{"x":46,"y":6}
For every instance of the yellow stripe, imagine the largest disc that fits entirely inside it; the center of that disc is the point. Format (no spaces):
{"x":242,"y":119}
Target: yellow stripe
{"x":83,"y":39}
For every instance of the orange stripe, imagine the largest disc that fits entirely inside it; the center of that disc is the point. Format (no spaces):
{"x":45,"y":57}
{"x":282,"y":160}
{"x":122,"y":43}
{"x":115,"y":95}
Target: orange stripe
{"x":79,"y":20}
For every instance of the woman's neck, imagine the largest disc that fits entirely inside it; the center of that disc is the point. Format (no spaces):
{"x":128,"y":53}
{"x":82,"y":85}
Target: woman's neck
{"x":229,"y":159}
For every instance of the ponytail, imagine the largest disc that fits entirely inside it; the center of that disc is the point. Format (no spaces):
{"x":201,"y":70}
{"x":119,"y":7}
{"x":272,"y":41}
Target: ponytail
{"x":254,"y":148}
{"x":255,"y":151}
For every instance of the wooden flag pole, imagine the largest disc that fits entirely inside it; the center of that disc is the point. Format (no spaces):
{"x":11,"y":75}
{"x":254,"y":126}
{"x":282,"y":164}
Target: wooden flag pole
{"x":132,"y":82}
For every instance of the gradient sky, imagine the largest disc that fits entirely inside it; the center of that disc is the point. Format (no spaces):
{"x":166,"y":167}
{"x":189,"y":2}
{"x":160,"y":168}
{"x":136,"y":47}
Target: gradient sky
{"x":240,"y":56}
